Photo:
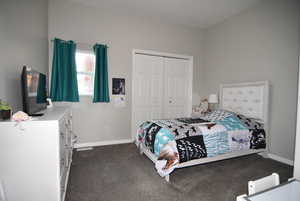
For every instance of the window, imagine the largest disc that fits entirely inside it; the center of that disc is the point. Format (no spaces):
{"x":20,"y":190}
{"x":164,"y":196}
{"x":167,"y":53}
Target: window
{"x":85,"y":64}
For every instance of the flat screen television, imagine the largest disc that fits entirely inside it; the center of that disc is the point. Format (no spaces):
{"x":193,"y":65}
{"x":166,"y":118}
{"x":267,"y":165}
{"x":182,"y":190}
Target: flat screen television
{"x":34,"y":91}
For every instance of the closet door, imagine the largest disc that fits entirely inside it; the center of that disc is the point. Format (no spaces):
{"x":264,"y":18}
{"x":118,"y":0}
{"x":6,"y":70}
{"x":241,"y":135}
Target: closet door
{"x":147,"y":89}
{"x":176,"y":79}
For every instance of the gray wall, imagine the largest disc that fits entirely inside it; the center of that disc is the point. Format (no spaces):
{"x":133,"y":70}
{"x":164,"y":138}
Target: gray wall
{"x":23,"y":41}
{"x":260,"y":44}
{"x":123,"y":33}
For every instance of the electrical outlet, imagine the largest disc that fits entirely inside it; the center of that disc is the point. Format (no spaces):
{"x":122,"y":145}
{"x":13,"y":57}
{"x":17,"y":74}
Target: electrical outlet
{"x":2,"y":192}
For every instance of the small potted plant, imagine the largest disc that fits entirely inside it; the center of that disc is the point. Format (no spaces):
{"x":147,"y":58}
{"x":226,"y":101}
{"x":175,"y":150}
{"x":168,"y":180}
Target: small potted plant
{"x":5,"y":110}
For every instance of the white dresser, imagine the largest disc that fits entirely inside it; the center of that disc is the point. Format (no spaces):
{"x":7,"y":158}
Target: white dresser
{"x":35,"y":157}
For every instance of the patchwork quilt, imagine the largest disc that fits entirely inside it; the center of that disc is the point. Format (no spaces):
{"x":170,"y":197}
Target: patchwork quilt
{"x":174,"y":141}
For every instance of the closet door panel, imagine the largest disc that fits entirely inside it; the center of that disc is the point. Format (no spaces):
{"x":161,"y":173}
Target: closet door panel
{"x":176,"y":87}
{"x":148,"y":89}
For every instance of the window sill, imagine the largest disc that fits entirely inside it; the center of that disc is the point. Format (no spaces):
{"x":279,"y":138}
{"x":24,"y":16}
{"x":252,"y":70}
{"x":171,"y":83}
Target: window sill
{"x":87,"y":95}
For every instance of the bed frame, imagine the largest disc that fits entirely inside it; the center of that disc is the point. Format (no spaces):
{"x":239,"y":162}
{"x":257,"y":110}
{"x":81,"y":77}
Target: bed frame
{"x":250,"y":99}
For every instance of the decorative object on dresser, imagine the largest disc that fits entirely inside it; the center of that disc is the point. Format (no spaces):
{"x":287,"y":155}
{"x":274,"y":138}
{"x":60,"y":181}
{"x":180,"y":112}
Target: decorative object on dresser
{"x":212,"y":100}
{"x":36,"y":159}
{"x":5,"y":110}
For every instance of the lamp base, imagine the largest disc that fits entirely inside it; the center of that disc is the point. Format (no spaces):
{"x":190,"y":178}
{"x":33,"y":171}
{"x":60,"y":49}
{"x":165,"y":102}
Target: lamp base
{"x":211,"y":107}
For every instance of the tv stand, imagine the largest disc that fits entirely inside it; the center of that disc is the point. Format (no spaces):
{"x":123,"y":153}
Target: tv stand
{"x":36,"y":156}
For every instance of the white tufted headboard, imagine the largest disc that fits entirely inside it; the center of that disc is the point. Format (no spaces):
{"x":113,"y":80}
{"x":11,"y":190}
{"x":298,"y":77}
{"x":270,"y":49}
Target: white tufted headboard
{"x":250,"y":99}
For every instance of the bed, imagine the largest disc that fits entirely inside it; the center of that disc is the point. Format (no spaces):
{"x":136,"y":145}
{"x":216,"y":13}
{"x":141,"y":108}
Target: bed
{"x":239,"y":127}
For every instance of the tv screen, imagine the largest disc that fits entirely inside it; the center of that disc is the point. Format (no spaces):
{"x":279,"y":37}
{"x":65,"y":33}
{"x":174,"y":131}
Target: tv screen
{"x":34,"y":91}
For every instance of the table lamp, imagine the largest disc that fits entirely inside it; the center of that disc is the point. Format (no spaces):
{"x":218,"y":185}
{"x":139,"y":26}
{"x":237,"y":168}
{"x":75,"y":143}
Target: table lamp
{"x":212,"y":100}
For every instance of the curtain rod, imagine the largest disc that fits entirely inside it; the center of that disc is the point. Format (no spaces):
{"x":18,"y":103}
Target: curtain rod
{"x":52,"y":40}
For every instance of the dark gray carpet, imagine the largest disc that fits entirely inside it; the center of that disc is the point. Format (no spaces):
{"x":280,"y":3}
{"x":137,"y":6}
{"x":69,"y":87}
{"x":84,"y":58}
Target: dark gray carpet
{"x":120,"y":173}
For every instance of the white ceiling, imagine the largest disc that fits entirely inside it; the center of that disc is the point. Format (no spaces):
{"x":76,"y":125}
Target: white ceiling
{"x":195,"y":13}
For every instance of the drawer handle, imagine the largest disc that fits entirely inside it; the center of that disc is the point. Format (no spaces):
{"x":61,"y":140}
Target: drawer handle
{"x":68,"y":123}
{"x":75,"y":138}
{"x":62,"y":134}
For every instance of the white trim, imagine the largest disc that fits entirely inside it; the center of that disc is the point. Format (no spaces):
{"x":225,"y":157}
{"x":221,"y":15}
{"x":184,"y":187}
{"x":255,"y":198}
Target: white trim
{"x":85,"y":51}
{"x":190,"y":92}
{"x":281,"y":159}
{"x":85,"y":149}
{"x":161,"y":54}
{"x":102,"y":143}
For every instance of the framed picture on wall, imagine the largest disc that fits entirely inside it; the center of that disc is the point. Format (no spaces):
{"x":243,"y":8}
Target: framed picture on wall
{"x":118,"y":86}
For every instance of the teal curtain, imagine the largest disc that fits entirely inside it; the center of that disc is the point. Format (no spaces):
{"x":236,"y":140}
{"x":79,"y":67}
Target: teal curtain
{"x":64,"y":85}
{"x":101,"y":91}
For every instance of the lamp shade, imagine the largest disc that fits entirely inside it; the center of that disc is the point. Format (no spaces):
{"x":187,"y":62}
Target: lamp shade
{"x":213,"y":98}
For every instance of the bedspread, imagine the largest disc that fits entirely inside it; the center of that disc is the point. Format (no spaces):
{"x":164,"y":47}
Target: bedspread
{"x":173,"y":141}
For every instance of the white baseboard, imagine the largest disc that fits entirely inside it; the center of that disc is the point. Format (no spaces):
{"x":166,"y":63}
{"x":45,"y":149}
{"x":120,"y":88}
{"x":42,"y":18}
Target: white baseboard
{"x":84,"y":148}
{"x":281,"y":159}
{"x":102,"y":143}
{"x":264,"y":154}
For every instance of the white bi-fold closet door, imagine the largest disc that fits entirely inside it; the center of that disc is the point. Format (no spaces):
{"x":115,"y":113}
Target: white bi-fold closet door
{"x":161,"y":88}
{"x":176,"y":88}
